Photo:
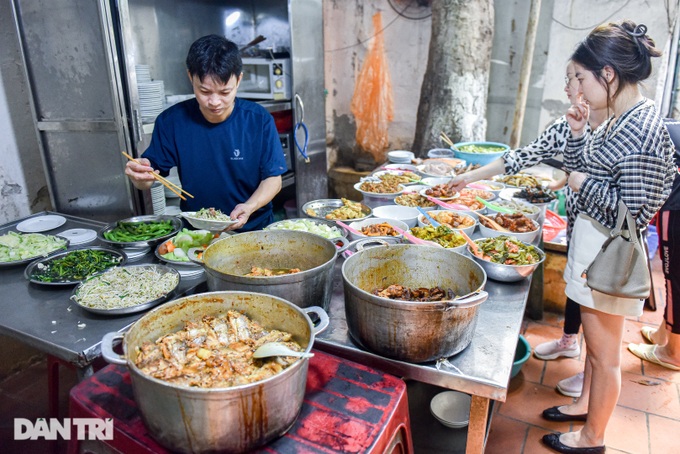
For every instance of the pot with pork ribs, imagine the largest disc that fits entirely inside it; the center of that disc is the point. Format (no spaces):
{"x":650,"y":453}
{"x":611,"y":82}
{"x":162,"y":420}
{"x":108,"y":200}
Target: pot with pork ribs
{"x":194,"y":377}
{"x":412,"y":303}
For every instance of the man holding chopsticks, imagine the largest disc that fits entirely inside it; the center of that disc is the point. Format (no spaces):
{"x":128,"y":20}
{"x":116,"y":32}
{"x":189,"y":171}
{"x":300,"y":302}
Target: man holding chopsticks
{"x":227,"y":150}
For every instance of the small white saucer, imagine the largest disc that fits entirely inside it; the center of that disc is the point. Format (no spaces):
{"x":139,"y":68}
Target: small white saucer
{"x":79,"y":236}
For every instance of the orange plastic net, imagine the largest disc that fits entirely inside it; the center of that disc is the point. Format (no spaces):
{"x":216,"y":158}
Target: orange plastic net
{"x":372,"y":103}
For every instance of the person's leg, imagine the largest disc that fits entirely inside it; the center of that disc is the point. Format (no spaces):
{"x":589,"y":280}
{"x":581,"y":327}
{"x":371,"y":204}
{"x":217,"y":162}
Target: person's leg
{"x":667,"y":336}
{"x":603,"y":335}
{"x":567,"y":345}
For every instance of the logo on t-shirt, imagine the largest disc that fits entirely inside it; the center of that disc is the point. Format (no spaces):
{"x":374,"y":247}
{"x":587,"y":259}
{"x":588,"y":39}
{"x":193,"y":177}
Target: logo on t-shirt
{"x":237,"y":155}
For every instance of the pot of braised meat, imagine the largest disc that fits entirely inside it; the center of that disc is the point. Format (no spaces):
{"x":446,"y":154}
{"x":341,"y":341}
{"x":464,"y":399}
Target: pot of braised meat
{"x":412,"y":303}
{"x":296,"y":266}
{"x":194,"y":377}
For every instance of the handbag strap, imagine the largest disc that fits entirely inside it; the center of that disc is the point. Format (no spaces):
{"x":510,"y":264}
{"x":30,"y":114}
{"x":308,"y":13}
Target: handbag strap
{"x":625,"y":216}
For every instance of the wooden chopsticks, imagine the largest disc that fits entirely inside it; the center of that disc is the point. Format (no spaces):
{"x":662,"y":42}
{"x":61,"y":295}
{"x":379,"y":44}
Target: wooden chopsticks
{"x":167,"y":183}
{"x":446,"y":139}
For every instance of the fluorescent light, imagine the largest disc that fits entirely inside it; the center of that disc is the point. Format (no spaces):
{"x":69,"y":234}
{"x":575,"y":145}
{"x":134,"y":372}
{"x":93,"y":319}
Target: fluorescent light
{"x":232,"y":18}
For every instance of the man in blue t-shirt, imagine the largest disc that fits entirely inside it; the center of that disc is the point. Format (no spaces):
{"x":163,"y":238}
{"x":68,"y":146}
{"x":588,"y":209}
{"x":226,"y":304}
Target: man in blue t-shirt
{"x":226,"y":150}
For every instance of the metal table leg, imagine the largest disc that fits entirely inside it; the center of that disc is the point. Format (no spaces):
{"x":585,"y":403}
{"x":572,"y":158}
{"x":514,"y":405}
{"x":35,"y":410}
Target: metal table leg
{"x":479,"y":414}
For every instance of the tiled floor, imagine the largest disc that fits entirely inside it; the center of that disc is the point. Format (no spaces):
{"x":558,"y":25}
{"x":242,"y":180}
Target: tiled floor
{"x":647,"y":416}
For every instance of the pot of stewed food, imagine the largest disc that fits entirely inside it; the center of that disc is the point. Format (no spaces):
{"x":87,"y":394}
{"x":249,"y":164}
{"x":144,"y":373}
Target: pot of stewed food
{"x":412,"y":303}
{"x":194,"y":376}
{"x":294,"y":265}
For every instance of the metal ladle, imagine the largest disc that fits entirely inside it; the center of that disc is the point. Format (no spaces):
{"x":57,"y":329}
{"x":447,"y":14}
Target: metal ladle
{"x":278,"y":349}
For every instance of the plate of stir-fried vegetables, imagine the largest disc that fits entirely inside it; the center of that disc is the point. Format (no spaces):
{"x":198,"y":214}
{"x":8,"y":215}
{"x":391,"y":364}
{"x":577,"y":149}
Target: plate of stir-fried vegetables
{"x":72,"y":267}
{"x":210,"y":219}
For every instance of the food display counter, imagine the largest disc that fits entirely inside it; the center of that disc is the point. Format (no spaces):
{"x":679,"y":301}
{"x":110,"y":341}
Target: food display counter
{"x":44,"y":318}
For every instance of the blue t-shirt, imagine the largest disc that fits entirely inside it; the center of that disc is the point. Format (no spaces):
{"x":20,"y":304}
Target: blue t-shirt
{"x":220,"y":164}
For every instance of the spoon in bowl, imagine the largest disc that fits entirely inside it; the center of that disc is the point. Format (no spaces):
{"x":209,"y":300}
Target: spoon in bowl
{"x":278,"y":349}
{"x":495,"y":207}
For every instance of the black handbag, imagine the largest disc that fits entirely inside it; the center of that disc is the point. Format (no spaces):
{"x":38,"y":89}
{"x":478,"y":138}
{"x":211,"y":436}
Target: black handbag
{"x":620,"y":268}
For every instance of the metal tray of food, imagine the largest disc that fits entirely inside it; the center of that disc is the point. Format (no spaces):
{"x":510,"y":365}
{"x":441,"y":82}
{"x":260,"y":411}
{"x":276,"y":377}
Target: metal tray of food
{"x":32,"y":269}
{"x":176,"y":227}
{"x":318,"y":209}
{"x":134,"y":283}
{"x":26,"y":260}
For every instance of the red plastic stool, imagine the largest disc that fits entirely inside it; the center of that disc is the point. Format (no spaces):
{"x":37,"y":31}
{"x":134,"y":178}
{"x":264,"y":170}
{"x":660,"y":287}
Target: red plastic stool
{"x":348,"y":408}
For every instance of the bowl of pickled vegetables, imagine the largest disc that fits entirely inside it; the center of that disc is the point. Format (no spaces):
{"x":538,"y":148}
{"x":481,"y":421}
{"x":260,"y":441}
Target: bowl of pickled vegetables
{"x":505,"y":258}
{"x":479,"y":152}
{"x":445,"y":237}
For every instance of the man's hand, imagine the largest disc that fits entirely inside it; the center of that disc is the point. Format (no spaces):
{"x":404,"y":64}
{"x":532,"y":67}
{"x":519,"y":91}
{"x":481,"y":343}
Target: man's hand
{"x":138,"y":173}
{"x":241,"y":214}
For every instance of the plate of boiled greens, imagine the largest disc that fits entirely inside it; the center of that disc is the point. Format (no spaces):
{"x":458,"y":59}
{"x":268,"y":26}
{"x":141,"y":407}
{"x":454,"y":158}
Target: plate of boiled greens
{"x":72,"y":267}
{"x":210,"y":219}
{"x":127,"y":289}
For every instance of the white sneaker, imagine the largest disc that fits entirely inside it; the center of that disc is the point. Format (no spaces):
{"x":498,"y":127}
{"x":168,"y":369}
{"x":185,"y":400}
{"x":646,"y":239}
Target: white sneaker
{"x":556,"y":348}
{"x":571,"y":386}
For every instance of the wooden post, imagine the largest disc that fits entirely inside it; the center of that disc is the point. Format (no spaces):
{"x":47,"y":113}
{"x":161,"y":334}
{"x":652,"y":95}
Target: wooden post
{"x":525,"y":74}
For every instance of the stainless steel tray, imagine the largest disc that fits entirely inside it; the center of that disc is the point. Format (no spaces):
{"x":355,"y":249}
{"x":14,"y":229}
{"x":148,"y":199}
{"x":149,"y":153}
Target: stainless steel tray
{"x":318,"y":209}
{"x":29,"y":271}
{"x":30,"y":259}
{"x":176,"y":224}
{"x":163,"y":269}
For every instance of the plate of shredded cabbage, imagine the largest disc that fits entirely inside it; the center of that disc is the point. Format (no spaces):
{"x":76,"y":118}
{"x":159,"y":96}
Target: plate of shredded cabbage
{"x":21,"y":248}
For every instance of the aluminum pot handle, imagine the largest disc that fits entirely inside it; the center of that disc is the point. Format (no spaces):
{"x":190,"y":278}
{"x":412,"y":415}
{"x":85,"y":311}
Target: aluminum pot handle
{"x":192,"y":254}
{"x":107,"y":349}
{"x":361,"y":243}
{"x":324,"y":321}
{"x":345,"y":244}
{"x":471,"y":299}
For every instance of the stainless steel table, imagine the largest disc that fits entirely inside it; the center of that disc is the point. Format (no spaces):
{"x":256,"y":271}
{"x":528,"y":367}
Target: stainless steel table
{"x":482,"y":369}
{"x":44,"y":317}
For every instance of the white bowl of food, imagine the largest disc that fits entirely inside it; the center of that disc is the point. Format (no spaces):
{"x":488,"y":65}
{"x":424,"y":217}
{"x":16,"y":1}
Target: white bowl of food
{"x":528,"y":209}
{"x":518,"y":226}
{"x":372,"y":198}
{"x":445,"y":237}
{"x":377,"y":228}
{"x":403,"y":167}
{"x":435,"y":169}
{"x":404,"y":177}
{"x":408,"y":215}
{"x":456,"y":219}
{"x":494,"y":187}
{"x":208,"y":219}
{"x":414,"y":199}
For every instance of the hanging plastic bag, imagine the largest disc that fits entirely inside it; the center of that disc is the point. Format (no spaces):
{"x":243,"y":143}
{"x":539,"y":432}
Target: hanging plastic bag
{"x":372,"y":104}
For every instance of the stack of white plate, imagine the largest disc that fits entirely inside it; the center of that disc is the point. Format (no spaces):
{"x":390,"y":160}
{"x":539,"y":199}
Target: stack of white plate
{"x":174,"y":179}
{"x":151,"y":99}
{"x":158,"y":198}
{"x":400,"y":157}
{"x":143,"y":73}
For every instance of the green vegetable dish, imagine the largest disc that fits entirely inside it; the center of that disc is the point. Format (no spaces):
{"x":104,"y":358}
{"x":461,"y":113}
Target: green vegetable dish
{"x":441,"y":235}
{"x":126,"y":232}
{"x":176,"y":248}
{"x":508,"y":250}
{"x":75,"y":266}
{"x":480,"y":149}
{"x":17,"y":247}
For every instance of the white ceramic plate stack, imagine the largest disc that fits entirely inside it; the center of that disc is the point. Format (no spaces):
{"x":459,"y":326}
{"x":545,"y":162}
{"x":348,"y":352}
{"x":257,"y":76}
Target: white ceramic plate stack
{"x":151,"y":99}
{"x":400,"y":157}
{"x":143,"y":73}
{"x":158,"y":198}
{"x":79,"y":236}
{"x":41,"y":223}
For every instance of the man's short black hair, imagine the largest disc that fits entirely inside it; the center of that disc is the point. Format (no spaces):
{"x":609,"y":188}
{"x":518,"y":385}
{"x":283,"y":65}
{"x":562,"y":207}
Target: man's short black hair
{"x":214,"y":56}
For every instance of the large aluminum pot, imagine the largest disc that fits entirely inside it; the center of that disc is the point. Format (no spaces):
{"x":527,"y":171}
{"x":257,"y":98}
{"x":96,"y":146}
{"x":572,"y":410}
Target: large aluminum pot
{"x":235,"y":419}
{"x":228,"y":260}
{"x":412,"y":331}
